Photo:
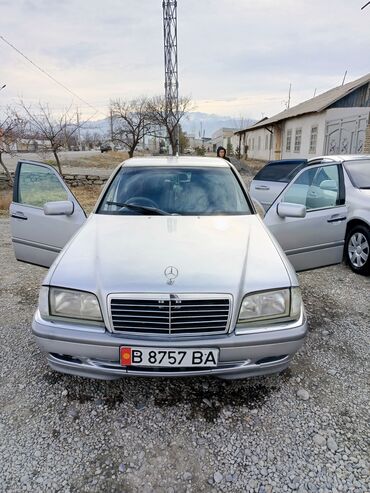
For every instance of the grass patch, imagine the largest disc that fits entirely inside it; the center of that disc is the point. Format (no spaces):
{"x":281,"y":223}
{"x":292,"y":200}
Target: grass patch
{"x":87,"y":196}
{"x":106,"y":160}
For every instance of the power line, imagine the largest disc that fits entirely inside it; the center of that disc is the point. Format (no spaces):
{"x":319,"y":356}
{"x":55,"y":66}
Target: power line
{"x":48,"y":75}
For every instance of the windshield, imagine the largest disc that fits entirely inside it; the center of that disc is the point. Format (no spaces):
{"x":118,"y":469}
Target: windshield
{"x":165,"y":190}
{"x":359,"y":172}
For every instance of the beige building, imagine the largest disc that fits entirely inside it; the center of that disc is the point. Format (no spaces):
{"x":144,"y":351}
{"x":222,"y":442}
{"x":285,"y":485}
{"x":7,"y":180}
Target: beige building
{"x":335,"y":122}
{"x":222,"y":137}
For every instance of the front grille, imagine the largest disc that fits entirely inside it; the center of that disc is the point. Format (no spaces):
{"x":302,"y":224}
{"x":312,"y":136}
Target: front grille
{"x":173,"y":315}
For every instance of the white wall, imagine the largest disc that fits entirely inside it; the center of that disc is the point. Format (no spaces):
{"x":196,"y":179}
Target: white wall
{"x":305,"y":122}
{"x":256,"y":142}
{"x":336,"y":113}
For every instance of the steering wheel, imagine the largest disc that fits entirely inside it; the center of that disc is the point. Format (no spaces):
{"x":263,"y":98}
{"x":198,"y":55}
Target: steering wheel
{"x":144,"y":201}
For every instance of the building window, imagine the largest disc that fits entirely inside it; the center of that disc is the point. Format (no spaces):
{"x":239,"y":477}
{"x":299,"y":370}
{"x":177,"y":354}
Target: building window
{"x":288,"y":146}
{"x":313,"y":139}
{"x":297,"y":140}
{"x":266,"y":142}
{"x":259,"y":142}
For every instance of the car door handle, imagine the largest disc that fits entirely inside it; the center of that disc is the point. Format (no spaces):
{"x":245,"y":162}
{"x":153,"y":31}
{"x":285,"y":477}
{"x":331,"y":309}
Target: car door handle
{"x":19,"y":215}
{"x":262,"y":187}
{"x":337,"y":219}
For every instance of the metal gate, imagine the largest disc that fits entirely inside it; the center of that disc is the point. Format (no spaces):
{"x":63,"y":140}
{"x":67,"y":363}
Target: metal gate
{"x":346,"y":136}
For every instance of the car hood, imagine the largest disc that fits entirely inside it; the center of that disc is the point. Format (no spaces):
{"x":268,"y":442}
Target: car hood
{"x":224,"y":254}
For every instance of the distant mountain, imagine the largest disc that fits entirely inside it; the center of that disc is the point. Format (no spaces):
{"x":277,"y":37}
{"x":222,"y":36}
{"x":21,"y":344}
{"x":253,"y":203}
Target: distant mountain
{"x":195,"y":123}
{"x":100,"y":126}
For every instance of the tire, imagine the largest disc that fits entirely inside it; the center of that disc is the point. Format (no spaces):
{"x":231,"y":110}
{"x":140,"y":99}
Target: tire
{"x":357,"y":249}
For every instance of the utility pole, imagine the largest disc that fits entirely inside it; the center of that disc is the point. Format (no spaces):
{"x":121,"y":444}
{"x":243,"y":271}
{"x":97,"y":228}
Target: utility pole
{"x":290,"y":90}
{"x":171,"y":84}
{"x":65,"y":133}
{"x":78,"y":130}
{"x":111,"y":125}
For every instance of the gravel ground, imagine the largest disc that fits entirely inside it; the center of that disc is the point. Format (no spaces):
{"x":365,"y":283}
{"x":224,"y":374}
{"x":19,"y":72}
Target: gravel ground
{"x":305,"y":430}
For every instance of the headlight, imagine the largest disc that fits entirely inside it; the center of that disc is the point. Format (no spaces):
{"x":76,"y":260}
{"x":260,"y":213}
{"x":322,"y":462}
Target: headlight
{"x":74,"y":304}
{"x":44,"y":301}
{"x":266,"y":305}
{"x":295,"y":302}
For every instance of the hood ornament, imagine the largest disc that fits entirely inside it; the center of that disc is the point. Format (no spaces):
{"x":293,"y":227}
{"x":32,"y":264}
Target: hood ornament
{"x":171,"y":273}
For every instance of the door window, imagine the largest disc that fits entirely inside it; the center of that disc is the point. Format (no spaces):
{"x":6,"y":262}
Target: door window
{"x":38,"y":185}
{"x":316,"y":188}
{"x":279,"y":171}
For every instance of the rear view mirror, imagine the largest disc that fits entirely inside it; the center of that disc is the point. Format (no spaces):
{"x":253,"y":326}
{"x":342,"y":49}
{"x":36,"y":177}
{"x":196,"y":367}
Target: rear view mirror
{"x":60,"y":208}
{"x":286,"y":209}
{"x":330,"y":185}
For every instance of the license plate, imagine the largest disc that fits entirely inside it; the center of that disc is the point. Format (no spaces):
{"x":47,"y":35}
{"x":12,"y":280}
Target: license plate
{"x":164,"y":357}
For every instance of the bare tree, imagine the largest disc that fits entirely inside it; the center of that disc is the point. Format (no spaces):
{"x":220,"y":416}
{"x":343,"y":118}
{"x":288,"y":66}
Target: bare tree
{"x":92,"y":139}
{"x":11,"y":127}
{"x":164,"y":117}
{"x":54,"y":131}
{"x":130,"y":123}
{"x":183,"y":140}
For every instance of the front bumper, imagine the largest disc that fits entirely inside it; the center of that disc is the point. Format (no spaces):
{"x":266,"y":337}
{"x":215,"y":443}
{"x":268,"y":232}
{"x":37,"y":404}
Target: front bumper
{"x":94,"y":352}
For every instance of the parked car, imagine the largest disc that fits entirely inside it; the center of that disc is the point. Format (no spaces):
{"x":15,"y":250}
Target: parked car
{"x":172,"y":274}
{"x":273,"y":178}
{"x":105,"y":148}
{"x":324,"y":212}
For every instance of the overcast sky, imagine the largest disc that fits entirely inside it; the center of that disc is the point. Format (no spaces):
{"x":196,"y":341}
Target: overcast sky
{"x":236,"y":57}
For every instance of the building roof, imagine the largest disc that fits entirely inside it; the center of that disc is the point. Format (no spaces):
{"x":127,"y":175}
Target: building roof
{"x":314,"y":105}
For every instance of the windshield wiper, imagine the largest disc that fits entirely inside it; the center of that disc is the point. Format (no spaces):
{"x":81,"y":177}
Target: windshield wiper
{"x":141,"y":209}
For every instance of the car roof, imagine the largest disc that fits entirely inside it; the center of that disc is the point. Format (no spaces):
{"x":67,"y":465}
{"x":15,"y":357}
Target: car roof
{"x":287,"y":161}
{"x":174,"y":161}
{"x":338,"y":158}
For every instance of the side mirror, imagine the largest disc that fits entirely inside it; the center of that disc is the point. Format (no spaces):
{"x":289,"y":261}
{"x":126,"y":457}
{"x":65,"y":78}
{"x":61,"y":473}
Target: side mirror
{"x":285,"y":209}
{"x":259,"y":208}
{"x":60,"y":208}
{"x":330,"y":185}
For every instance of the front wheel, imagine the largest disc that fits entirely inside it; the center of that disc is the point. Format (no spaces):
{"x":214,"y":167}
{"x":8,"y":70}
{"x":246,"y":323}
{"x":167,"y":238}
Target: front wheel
{"x":357,"y":249}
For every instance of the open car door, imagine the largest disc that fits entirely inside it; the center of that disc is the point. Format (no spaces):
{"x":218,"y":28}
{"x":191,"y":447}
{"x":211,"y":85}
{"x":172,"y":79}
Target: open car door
{"x":309,"y":217}
{"x":44,"y":213}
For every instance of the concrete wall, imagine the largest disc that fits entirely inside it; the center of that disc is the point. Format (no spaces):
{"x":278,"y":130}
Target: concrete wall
{"x":336,"y":113}
{"x":256,"y":142}
{"x":70,"y":179}
{"x":305,"y":123}
{"x":367,"y":141}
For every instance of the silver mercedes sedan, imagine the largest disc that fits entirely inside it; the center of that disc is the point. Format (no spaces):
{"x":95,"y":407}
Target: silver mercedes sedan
{"x":173,"y":274}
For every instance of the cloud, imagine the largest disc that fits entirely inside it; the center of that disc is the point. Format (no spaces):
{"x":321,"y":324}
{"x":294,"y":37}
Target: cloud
{"x":235,"y":56}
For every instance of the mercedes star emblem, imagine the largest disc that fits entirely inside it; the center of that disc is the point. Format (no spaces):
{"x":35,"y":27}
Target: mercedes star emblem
{"x":171,"y":273}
